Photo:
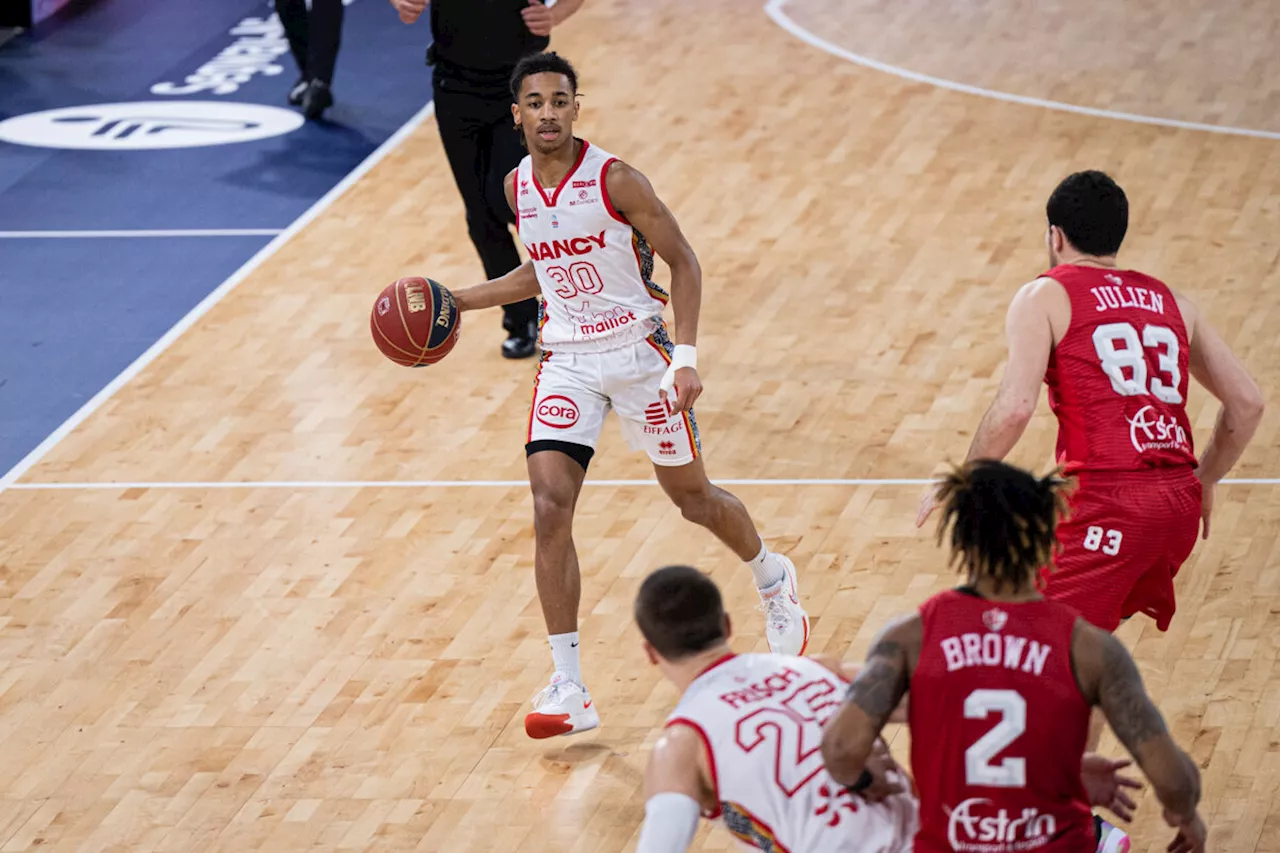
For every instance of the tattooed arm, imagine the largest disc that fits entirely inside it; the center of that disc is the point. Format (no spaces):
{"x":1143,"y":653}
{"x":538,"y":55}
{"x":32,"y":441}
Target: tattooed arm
{"x":1109,"y":679}
{"x":850,"y":735}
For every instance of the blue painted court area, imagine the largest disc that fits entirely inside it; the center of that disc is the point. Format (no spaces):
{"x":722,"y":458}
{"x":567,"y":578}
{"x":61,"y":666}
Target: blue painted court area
{"x":139,"y":89}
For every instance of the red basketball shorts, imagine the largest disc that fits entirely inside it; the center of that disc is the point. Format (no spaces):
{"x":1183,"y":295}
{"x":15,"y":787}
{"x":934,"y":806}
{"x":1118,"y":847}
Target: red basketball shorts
{"x":1122,"y":546}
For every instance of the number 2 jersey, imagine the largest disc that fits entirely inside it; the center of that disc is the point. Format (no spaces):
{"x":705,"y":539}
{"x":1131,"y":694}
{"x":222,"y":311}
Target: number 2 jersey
{"x":998,"y":729}
{"x":594,"y":268}
{"x":1118,"y":378}
{"x":761,"y":717}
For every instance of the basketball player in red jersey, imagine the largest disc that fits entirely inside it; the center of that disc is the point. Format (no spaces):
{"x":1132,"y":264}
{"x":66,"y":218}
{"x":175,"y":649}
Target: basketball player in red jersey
{"x":588,"y":221}
{"x":1115,"y":348}
{"x":996,"y":646}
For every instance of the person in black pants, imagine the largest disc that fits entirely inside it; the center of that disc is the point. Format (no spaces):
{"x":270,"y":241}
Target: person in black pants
{"x":475,"y":47}
{"x":313,"y":40}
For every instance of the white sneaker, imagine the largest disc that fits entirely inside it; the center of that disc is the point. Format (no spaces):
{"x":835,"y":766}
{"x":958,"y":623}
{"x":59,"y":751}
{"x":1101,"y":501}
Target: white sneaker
{"x":564,"y":707}
{"x":786,"y":625}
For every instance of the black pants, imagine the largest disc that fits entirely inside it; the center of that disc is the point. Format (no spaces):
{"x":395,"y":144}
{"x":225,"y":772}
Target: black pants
{"x":313,"y":36}
{"x":476,"y":128}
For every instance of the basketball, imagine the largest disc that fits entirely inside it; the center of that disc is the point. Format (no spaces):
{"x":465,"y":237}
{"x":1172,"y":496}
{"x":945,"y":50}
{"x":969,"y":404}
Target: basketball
{"x":415,"y":322}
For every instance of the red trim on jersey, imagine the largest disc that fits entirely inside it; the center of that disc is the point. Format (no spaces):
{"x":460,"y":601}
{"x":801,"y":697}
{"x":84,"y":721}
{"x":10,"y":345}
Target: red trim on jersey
{"x":651,"y":342}
{"x":717,"y":662}
{"x":706,"y":744}
{"x":604,"y":193}
{"x":551,"y":202}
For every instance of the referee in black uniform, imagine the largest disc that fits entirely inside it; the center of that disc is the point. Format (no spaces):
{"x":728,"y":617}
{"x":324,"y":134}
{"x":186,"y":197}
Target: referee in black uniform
{"x":475,"y":45}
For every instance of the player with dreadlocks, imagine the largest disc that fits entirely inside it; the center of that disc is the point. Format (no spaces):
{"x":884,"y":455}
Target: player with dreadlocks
{"x":1002,"y":682}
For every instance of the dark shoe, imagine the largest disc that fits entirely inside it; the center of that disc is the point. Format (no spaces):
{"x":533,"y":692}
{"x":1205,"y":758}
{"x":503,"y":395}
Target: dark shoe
{"x":316,"y":99}
{"x":521,"y":343}
{"x":296,"y":92}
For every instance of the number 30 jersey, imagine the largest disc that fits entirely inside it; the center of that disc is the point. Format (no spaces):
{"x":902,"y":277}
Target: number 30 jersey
{"x":761,"y":719}
{"x":1118,"y":378}
{"x":998,"y":729}
{"x":593,"y":266}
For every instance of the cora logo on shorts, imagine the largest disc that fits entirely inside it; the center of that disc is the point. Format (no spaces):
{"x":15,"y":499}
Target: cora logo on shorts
{"x":557,"y":412}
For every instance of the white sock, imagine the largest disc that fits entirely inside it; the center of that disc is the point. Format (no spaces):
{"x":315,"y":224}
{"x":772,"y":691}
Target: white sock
{"x":766,"y":573}
{"x":564,"y":651}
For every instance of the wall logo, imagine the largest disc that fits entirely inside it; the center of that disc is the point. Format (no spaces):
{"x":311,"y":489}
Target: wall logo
{"x":1159,"y":434}
{"x":145,"y":125}
{"x":557,"y":412}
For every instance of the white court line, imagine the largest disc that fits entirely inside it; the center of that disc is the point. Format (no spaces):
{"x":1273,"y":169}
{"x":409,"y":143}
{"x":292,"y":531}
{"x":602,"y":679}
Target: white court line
{"x":213,"y":299}
{"x":479,"y":484}
{"x":172,"y":232}
{"x":774,"y":9}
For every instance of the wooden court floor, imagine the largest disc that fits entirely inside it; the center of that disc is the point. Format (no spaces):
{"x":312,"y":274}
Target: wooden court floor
{"x":279,"y":667}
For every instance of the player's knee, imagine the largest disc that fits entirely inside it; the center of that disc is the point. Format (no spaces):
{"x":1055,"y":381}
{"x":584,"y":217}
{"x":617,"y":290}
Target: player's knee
{"x":552,"y":510}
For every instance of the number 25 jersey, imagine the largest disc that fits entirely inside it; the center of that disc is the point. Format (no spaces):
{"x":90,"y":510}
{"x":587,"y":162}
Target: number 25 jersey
{"x":998,"y":729}
{"x":761,"y":719}
{"x":1118,"y":378}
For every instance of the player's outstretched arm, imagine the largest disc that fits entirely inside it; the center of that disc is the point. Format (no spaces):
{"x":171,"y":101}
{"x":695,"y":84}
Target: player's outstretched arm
{"x":633,"y":197}
{"x":676,"y":785}
{"x":851,"y":734}
{"x":1217,"y":368}
{"x":1109,"y":678}
{"x":1030,"y":336}
{"x":520,"y":283}
{"x":1029,"y":330}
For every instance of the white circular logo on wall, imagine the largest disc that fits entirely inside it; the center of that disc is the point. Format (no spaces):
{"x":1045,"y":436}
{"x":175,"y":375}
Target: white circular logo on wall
{"x":148,"y":125}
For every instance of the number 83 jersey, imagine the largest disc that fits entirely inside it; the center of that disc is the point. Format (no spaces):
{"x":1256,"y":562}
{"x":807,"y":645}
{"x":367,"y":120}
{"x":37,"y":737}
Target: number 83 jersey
{"x":593,"y":266}
{"x":760,"y":718}
{"x":1118,"y":378}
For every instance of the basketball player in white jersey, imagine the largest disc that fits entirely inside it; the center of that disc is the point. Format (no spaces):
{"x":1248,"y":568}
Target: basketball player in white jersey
{"x":743,"y":746}
{"x":589,"y":221}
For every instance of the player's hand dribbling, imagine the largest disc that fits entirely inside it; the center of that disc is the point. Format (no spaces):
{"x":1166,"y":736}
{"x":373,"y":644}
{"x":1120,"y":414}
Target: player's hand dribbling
{"x":1105,"y":785}
{"x":1191,"y":833}
{"x":688,"y":388}
{"x":410,"y":10}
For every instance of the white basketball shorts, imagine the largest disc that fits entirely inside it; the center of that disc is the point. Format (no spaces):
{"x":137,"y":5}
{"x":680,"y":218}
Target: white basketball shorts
{"x":573,"y":391}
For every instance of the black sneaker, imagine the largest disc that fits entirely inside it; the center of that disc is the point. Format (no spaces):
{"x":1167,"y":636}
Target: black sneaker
{"x":316,"y":99}
{"x":521,"y":342}
{"x":296,"y":92}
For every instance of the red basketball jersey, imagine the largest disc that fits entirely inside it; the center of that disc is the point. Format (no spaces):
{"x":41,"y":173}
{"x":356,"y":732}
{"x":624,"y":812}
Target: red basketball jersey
{"x":1118,"y":378}
{"x":998,"y":729}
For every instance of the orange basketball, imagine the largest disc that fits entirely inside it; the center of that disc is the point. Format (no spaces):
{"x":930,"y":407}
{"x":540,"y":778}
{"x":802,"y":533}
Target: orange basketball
{"x":415,"y":322}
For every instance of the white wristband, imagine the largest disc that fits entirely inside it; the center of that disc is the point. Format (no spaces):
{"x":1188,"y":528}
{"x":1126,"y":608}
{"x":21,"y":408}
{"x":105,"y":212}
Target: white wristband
{"x":685,"y":355}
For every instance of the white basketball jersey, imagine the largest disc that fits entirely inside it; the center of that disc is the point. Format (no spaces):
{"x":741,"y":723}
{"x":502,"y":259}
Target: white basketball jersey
{"x":594,"y":268}
{"x":761,"y":717}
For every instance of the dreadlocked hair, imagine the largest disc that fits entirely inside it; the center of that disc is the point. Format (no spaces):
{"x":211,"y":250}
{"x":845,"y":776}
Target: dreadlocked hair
{"x":1002,"y":520}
